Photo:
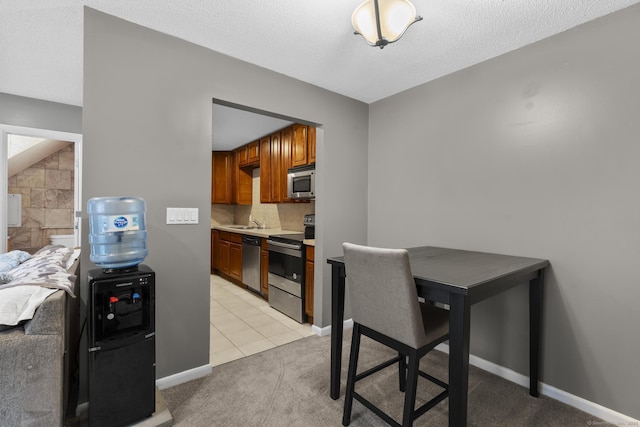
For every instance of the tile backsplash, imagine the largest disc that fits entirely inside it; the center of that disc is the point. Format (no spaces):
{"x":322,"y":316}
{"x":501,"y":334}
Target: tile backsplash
{"x":288,"y":216}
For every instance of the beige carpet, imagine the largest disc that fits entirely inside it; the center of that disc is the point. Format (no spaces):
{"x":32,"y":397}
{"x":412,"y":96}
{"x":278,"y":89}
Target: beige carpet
{"x":289,"y":386}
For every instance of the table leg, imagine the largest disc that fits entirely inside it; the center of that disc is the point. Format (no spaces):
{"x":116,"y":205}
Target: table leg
{"x":459,"y":323}
{"x":535,"y":320}
{"x":337,"y":317}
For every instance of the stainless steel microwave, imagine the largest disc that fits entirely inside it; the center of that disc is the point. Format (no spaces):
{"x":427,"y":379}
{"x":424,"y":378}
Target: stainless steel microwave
{"x":301,"y":182}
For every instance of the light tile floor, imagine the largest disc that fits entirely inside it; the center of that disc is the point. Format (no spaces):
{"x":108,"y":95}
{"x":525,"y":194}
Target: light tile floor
{"x":243,"y":323}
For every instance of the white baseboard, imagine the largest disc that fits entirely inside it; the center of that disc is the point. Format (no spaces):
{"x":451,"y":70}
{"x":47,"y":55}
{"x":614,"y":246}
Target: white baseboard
{"x":577,"y":402}
{"x":347,"y":324}
{"x":183,"y":377}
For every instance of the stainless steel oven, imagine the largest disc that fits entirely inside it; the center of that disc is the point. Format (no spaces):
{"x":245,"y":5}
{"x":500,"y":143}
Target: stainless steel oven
{"x":286,"y":275}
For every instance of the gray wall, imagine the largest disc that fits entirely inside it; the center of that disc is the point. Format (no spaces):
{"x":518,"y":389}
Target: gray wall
{"x":534,"y":153}
{"x":39,"y":114}
{"x":147,"y":132}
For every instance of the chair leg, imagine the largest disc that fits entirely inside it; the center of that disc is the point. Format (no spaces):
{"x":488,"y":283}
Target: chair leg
{"x":411,"y":387}
{"x":402,"y":372}
{"x":351,"y":376}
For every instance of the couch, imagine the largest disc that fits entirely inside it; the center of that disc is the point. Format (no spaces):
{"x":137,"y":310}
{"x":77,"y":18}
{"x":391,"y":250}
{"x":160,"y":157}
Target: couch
{"x":38,"y":354}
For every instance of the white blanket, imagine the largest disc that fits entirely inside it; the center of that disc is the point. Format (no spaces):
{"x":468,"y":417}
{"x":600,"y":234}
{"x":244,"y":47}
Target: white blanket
{"x":20,"y":302}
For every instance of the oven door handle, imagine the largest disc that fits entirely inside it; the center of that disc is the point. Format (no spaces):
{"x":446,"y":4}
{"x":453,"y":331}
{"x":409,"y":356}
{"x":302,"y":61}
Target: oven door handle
{"x":284,"y":245}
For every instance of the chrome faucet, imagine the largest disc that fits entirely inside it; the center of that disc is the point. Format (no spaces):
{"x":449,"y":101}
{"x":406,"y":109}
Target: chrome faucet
{"x":257,"y":223}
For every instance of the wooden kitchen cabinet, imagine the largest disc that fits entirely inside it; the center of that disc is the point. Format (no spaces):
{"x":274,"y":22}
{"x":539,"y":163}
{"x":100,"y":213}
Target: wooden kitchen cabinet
{"x":275,"y":161}
{"x":243,"y":186}
{"x":235,"y":261}
{"x":242,"y":156}
{"x":311,"y":145}
{"x":264,"y":269}
{"x":276,"y":165}
{"x":227,"y":253}
{"x":249,"y":154}
{"x":303,"y":145}
{"x":253,"y":153}
{"x":215,"y":250}
{"x":222,"y":173}
{"x":299,"y":146}
{"x":265,"y":169}
{"x":224,"y":256}
{"x":286,"y":138}
{"x":230,"y":184}
{"x":308,"y":282}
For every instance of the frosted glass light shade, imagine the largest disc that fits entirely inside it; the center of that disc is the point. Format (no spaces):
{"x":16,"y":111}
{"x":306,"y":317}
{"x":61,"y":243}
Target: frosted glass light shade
{"x":381,"y":22}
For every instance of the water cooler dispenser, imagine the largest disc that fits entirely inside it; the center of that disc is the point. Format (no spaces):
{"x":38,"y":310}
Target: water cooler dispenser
{"x":121,"y":315}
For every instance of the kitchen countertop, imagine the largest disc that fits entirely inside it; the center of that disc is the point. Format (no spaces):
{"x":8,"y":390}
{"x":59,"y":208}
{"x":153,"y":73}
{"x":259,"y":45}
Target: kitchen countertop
{"x":260,"y":232}
{"x":257,"y":232}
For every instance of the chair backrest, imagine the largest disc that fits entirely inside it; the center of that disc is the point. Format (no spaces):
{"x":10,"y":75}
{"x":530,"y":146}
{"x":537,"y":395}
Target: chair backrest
{"x":383,"y":292}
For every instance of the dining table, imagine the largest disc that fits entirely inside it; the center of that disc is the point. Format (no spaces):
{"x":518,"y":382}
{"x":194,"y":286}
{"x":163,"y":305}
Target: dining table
{"x":457,"y":279}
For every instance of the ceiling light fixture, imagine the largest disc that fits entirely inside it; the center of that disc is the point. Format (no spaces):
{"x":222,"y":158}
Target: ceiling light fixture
{"x":381,"y":22}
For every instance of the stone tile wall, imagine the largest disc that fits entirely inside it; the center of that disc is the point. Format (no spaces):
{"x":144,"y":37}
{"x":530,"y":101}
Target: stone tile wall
{"x":47,"y":189}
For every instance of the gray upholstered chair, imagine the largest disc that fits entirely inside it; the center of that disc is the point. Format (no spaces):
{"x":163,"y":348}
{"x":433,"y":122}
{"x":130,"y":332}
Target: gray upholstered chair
{"x":385,"y":307}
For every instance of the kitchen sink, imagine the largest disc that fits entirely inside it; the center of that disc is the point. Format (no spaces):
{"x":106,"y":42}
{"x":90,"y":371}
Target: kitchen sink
{"x":242,"y":227}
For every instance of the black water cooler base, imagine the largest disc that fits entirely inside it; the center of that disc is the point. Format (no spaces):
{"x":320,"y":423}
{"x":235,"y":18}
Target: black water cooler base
{"x":122,"y":385}
{"x":122,"y":348}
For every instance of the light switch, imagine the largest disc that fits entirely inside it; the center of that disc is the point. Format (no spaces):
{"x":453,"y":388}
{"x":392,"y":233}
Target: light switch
{"x":182,"y":215}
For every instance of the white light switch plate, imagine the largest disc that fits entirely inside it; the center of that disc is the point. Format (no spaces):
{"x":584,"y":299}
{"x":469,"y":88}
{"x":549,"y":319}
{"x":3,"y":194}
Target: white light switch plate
{"x":182,"y":215}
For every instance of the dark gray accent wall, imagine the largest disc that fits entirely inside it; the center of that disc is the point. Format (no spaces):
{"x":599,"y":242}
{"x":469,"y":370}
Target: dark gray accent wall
{"x":533,"y":153}
{"x":38,"y":114}
{"x":147,"y":133}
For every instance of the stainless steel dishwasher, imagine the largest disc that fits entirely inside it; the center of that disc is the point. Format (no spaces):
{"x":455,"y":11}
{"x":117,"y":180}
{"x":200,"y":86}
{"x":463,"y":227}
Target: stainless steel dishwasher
{"x":251,"y":262}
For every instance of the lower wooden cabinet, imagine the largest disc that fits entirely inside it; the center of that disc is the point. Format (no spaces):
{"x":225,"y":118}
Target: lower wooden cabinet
{"x":226,"y":253}
{"x":223,"y":247}
{"x":215,"y":250}
{"x":308,"y":284}
{"x":235,"y":261}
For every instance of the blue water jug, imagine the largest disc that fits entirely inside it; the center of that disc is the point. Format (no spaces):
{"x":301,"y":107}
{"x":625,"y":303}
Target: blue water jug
{"x":117,"y":231}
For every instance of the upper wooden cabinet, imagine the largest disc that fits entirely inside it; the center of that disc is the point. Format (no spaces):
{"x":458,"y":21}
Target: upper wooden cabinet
{"x":242,"y":156}
{"x":275,"y":154}
{"x":303,"y":145}
{"x":222,"y":176}
{"x":275,"y":161}
{"x":286,"y":143}
{"x":276,"y":167}
{"x":249,"y":154}
{"x":230,"y":184}
{"x":299,"y":146}
{"x":311,"y":145}
{"x":243,"y":186}
{"x":265,"y":169}
{"x":253,"y":153}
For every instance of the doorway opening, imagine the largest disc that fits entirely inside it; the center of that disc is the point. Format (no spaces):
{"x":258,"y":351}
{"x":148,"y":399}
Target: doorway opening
{"x":242,"y":322}
{"x":40,"y":188}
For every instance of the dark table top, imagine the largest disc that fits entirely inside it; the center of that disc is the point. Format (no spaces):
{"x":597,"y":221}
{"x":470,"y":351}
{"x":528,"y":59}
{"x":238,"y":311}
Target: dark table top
{"x":463,"y":269}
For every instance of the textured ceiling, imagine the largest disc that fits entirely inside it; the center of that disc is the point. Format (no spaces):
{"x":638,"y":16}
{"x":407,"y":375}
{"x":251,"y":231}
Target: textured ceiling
{"x":311,"y":40}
